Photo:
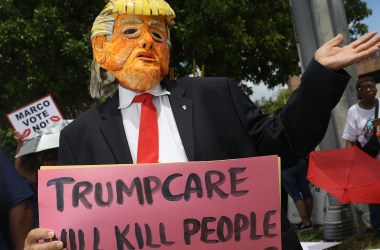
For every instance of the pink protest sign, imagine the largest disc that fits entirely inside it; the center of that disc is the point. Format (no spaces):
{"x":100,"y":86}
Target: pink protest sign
{"x":230,"y":204}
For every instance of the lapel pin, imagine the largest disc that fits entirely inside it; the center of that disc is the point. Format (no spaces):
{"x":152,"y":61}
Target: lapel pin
{"x":184,"y":107}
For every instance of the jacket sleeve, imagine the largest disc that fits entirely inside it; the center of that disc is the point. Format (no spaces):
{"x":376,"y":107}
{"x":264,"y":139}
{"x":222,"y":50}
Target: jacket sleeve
{"x":302,"y":123}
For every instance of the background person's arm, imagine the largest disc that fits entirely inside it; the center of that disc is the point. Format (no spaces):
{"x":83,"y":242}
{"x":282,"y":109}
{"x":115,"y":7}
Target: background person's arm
{"x":349,"y":143}
{"x":20,"y":223}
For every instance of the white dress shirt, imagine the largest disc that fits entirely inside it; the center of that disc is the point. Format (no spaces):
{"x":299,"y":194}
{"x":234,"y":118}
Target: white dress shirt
{"x":170,"y":145}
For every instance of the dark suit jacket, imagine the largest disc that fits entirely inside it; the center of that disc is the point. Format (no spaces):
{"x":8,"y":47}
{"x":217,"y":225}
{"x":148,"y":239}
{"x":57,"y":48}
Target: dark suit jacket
{"x":219,"y":122}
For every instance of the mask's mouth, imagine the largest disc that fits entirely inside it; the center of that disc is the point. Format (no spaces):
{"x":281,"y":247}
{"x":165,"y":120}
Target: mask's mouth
{"x":146,"y":56}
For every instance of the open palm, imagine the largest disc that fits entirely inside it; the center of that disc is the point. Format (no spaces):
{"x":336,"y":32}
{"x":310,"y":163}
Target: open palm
{"x":334,"y":57}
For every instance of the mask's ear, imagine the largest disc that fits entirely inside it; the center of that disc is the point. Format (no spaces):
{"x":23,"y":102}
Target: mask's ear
{"x":98,"y":48}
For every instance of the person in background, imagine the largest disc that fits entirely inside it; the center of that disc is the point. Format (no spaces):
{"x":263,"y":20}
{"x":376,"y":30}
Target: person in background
{"x":40,"y":150}
{"x":28,"y":163}
{"x":16,"y":213}
{"x":297,"y":186}
{"x":199,"y":119}
{"x":354,"y":133}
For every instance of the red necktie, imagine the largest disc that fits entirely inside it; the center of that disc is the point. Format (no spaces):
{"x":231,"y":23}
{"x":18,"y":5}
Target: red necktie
{"x":147,"y":149}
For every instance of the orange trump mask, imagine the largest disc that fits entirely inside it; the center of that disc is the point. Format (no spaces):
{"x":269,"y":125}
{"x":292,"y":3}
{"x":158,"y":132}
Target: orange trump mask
{"x":131,"y":46}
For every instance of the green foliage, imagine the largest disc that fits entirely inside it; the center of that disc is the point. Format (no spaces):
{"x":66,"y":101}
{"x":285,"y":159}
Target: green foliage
{"x":44,"y":49}
{"x":251,"y":41}
{"x":356,"y":10}
{"x":273,"y":105}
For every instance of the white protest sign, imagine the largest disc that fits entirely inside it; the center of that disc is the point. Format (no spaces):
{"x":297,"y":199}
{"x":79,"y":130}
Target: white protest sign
{"x":35,"y":116}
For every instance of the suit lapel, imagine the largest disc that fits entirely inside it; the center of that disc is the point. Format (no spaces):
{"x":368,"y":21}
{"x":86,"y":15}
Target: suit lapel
{"x":183,"y":114}
{"x":113,"y":131}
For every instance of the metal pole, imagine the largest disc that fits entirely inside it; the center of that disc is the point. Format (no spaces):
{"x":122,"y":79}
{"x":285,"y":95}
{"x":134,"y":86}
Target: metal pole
{"x":315,"y":23}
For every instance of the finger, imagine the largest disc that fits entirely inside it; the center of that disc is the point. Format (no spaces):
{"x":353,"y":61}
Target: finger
{"x":16,"y":134}
{"x":53,"y":245}
{"x":369,"y":44}
{"x":367,"y":53}
{"x":39,"y":234}
{"x":336,"y":41}
{"x":363,"y":39}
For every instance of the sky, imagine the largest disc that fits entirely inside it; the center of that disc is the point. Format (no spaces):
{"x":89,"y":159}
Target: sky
{"x":373,"y":23}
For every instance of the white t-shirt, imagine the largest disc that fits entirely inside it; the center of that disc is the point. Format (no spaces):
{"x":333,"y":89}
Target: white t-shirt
{"x":357,"y":118}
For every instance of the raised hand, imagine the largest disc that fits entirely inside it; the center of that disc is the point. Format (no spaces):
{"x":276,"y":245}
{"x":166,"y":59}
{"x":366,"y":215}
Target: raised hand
{"x":35,"y":236}
{"x":334,"y":57}
{"x":17,"y":135}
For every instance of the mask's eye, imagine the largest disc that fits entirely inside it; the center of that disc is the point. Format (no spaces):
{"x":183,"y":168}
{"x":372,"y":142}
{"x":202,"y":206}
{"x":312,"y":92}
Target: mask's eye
{"x":132,"y":32}
{"x":157,"y":36}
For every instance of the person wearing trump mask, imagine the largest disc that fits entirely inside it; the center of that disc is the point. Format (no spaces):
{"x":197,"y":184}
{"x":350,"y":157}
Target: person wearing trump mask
{"x":198,"y":119}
